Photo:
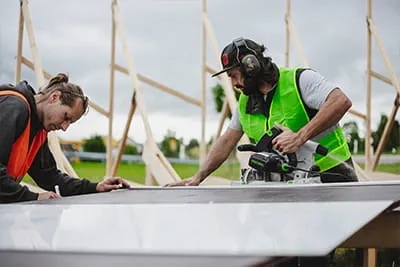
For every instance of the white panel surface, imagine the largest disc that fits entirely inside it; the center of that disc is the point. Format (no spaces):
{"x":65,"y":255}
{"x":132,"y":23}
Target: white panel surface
{"x":270,"y":229}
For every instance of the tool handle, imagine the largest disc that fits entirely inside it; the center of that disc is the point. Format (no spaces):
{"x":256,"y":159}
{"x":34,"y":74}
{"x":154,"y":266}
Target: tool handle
{"x":247,"y":147}
{"x":316,"y":148}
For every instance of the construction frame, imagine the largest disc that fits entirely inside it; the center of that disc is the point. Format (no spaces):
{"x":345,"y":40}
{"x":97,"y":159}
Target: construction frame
{"x":158,"y":169}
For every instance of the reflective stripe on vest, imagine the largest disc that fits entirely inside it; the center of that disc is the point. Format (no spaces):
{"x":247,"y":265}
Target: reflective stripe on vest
{"x":22,"y":156}
{"x":288,"y":110}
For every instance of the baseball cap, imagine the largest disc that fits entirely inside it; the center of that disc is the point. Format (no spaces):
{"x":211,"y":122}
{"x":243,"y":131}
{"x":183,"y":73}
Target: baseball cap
{"x":235,"y":51}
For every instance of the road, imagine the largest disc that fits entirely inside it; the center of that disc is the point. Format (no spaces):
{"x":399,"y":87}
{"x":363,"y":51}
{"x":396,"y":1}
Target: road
{"x":385,"y":159}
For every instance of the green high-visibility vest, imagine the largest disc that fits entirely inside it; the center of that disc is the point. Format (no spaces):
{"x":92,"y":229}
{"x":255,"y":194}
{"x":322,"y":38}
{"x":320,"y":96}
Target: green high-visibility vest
{"x":287,"y":109}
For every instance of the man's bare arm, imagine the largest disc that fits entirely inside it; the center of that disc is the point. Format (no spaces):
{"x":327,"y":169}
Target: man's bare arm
{"x":219,"y":152}
{"x":334,"y":108}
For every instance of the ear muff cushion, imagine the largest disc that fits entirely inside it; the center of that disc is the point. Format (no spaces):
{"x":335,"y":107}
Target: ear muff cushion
{"x":250,"y":65}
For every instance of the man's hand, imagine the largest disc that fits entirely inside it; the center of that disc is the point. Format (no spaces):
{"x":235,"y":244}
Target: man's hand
{"x":47,"y":195}
{"x":288,"y":141}
{"x":187,"y":182}
{"x":111,"y":183}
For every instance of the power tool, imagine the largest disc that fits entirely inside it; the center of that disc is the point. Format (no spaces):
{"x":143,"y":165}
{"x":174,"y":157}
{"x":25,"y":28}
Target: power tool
{"x":268,"y":165}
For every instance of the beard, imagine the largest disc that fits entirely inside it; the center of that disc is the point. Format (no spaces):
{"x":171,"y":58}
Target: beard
{"x":252,"y":85}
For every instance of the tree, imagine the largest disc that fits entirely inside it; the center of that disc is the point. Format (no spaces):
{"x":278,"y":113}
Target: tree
{"x":130,"y":150}
{"x":193,"y":143}
{"x":192,"y":149}
{"x":170,"y":145}
{"x":393,"y":141}
{"x":219,"y":97}
{"x":94,"y":144}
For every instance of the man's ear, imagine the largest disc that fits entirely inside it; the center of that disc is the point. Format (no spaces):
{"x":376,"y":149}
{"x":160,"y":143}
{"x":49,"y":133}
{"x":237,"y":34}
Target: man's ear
{"x":54,"y":96}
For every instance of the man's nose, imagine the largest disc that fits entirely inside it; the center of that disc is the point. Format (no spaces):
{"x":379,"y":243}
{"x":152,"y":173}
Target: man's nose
{"x":234,"y":82}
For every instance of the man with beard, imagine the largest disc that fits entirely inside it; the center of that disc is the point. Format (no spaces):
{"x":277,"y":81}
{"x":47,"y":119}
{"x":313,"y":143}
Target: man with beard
{"x":300,"y":102}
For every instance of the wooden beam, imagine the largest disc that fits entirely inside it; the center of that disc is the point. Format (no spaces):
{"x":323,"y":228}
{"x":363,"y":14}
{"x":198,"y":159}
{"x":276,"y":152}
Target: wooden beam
{"x":122,"y":142}
{"x":229,"y":94}
{"x":109,"y":169}
{"x":297,"y":43}
{"x":160,"y":167}
{"x":19,"y":46}
{"x":381,"y":232}
{"x":203,"y":148}
{"x":385,"y":56}
{"x":368,"y":149}
{"x":224,"y":114}
{"x":169,"y":90}
{"x":30,"y":65}
{"x":160,"y":86}
{"x":386,"y":133}
{"x":369,"y":257}
{"x":33,"y":47}
{"x":98,"y":108}
{"x":47,"y":75}
{"x":149,"y":179}
{"x":54,"y":146}
{"x":381,"y":77}
{"x":226,"y":84}
{"x":358,"y":114}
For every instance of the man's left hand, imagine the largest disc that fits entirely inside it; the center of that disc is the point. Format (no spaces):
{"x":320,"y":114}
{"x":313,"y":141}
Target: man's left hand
{"x":288,"y":141}
{"x":111,"y":183}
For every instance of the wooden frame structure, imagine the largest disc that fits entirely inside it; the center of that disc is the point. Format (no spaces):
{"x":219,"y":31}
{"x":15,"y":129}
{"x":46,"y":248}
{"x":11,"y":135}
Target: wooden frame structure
{"x":157,"y":166}
{"x":372,"y":31}
{"x":393,"y":80}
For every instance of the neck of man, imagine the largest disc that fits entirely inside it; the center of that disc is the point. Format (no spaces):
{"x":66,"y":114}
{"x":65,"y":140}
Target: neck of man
{"x":266,"y":88}
{"x":39,"y":106}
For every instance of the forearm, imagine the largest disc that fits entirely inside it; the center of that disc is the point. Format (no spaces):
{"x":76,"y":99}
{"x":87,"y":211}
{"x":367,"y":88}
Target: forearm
{"x":70,"y":186}
{"x":11,"y":191}
{"x":47,"y":179}
{"x":214,"y":159}
{"x":45,"y":173}
{"x":336,"y":105}
{"x":219,"y":152}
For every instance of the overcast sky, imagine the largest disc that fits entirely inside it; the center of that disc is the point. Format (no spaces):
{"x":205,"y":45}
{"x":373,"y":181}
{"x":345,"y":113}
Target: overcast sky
{"x":165,"y":40}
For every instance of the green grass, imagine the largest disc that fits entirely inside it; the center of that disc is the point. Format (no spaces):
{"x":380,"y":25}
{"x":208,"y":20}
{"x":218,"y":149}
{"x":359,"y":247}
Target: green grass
{"x":136,"y":172}
{"x":391,"y":168}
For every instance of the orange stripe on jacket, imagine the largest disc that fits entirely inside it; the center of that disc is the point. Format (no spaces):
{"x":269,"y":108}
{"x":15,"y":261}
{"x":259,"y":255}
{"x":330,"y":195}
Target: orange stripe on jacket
{"x":22,"y":156}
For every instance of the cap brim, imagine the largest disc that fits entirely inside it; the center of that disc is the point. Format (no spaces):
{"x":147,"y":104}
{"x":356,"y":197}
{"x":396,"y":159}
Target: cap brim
{"x":225,"y":70}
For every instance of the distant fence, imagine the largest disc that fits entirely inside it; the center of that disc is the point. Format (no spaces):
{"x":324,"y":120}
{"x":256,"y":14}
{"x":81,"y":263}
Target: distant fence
{"x":101,"y":157}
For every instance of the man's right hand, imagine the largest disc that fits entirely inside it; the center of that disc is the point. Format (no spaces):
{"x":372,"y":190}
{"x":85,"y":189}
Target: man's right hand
{"x":47,"y":195}
{"x":187,"y":182}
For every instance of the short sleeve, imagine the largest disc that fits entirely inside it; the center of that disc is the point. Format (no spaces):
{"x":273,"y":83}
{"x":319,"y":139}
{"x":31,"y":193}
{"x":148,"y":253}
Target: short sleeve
{"x":314,"y":88}
{"x":235,"y":122}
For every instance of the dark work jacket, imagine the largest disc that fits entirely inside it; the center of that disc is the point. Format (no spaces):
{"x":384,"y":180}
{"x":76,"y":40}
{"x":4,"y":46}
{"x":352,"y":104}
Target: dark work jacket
{"x":14,"y":116}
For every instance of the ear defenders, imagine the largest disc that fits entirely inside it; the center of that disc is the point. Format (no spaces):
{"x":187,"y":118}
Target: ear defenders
{"x":249,"y":63}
